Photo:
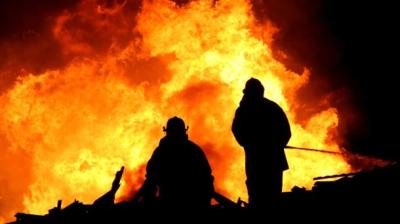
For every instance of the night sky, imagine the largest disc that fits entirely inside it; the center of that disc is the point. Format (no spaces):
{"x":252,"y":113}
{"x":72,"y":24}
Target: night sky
{"x":351,"y":49}
{"x":365,"y":33}
{"x":349,"y":46}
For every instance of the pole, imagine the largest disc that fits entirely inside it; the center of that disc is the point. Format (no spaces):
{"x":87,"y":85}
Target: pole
{"x":313,"y":150}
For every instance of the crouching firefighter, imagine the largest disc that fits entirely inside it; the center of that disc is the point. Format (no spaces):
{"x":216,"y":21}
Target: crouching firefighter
{"x":178,"y":173}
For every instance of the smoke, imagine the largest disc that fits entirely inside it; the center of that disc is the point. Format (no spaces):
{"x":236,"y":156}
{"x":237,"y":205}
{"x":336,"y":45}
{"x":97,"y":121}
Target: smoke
{"x":42,"y":35}
{"x":303,"y":41}
{"x":25,"y":36}
{"x":348,"y":47}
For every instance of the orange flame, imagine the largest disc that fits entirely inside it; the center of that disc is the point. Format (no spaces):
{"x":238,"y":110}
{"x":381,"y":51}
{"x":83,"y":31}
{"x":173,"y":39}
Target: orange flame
{"x":79,"y":124}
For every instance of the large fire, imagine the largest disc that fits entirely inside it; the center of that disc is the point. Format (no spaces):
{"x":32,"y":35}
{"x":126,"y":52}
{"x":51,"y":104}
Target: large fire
{"x":71,"y":128}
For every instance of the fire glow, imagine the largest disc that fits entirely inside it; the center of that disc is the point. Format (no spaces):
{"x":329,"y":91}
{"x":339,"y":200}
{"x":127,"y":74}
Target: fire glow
{"x":75,"y":126}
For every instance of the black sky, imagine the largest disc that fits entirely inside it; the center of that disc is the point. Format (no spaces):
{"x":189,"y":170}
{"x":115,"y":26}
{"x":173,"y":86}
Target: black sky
{"x":355,"y":48}
{"x":351,"y":49}
{"x":365,"y":33}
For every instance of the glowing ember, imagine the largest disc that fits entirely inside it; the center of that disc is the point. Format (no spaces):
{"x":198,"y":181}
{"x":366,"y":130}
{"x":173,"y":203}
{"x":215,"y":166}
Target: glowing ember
{"x":75,"y":126}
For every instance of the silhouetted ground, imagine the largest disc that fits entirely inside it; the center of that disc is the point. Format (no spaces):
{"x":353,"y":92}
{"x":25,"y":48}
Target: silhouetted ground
{"x":355,"y":196}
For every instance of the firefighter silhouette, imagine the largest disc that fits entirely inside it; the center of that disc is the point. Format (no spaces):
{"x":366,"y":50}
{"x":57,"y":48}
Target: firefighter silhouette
{"x":179,"y":171}
{"x":262,"y":128}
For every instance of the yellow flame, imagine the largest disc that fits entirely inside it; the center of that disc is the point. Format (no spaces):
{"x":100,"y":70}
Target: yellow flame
{"x":81,"y":123}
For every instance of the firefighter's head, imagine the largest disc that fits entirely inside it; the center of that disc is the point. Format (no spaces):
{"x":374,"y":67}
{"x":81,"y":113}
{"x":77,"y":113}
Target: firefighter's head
{"x":175,"y":127}
{"x":254,"y":88}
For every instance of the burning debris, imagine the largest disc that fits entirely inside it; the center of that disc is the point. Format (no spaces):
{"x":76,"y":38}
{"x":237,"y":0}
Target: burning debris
{"x":375,"y":190}
{"x":365,"y":190}
{"x":105,"y":207}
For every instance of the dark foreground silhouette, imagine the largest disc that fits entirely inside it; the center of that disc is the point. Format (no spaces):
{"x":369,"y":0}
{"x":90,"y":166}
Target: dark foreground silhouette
{"x":178,"y":168}
{"x":261,"y":127}
{"x":357,"y":195}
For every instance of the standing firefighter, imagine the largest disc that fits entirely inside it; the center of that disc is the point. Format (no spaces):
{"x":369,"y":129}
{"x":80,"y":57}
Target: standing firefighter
{"x":262,"y":128}
{"x":179,"y":170}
